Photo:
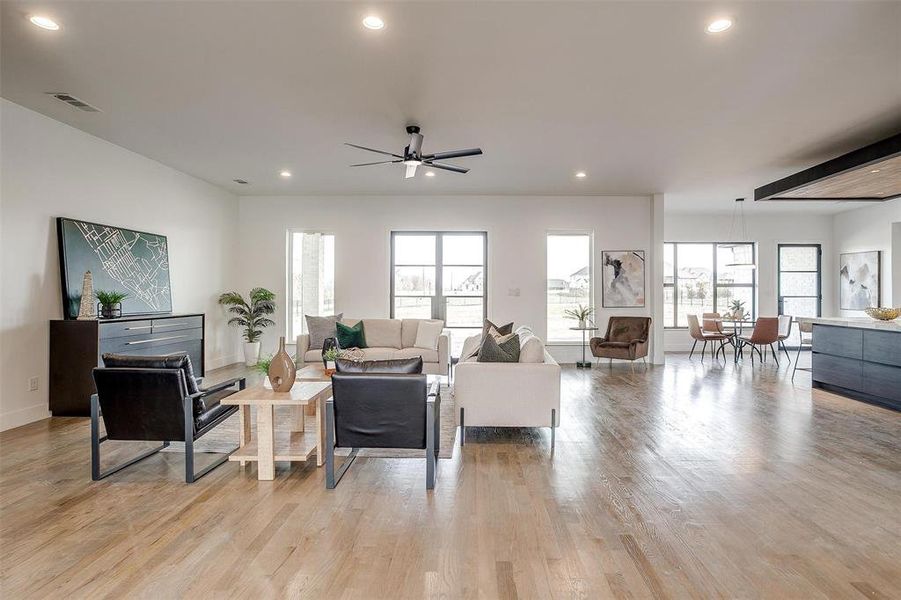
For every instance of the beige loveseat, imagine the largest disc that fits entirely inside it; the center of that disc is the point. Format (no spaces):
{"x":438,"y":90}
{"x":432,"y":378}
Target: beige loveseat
{"x":387,"y":339}
{"x":523,"y":394}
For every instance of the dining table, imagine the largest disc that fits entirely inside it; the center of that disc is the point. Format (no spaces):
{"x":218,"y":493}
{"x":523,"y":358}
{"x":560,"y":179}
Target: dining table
{"x":737,"y":326}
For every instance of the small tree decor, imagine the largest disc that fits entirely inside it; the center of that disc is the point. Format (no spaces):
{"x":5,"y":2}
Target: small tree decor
{"x":253,"y":316}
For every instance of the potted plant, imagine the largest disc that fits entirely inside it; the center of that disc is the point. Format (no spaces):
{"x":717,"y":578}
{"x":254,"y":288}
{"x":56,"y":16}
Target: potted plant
{"x":253,"y":316}
{"x":582,"y":314}
{"x":330,"y":356}
{"x":738,"y":310}
{"x":109,"y":303}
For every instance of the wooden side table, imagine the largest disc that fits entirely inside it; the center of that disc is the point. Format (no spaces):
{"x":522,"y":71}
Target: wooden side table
{"x":271,"y":445}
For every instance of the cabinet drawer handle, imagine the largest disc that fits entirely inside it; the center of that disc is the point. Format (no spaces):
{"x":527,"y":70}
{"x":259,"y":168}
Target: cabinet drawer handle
{"x":136,"y":328}
{"x":171,"y":337}
{"x":170,"y":324}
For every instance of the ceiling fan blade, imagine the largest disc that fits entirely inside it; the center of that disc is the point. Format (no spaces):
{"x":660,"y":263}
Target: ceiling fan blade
{"x":411,"y":171}
{"x":381,"y":162}
{"x":452,"y":154}
{"x":373,"y":150}
{"x":453,"y":168}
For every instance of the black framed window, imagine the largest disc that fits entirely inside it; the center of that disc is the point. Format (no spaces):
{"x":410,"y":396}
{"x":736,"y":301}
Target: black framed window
{"x":702,"y":277}
{"x":800,"y":283}
{"x":441,"y":275}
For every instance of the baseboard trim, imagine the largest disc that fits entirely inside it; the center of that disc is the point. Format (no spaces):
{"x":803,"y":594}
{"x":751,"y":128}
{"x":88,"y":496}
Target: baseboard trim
{"x":23,"y":416}
{"x":223,"y":361}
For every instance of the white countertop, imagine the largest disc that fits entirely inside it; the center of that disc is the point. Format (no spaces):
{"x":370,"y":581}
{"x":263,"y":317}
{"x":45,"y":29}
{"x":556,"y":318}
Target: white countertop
{"x":856,"y":322}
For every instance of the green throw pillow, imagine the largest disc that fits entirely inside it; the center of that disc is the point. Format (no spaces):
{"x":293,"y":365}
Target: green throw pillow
{"x":504,"y":349}
{"x":351,"y":337}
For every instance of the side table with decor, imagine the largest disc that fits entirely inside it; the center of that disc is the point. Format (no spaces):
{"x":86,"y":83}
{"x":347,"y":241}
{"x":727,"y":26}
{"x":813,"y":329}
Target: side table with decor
{"x":584,"y":364}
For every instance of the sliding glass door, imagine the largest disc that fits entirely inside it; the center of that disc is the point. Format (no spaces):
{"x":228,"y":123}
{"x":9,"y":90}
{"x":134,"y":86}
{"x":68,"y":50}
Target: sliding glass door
{"x":800,"y":283}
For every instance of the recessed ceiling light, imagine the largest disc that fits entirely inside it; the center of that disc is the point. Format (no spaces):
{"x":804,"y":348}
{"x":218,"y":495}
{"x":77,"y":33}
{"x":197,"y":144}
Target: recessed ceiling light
{"x":44,"y":22}
{"x":875,"y":170}
{"x":581,"y":174}
{"x":430,"y":173}
{"x":373,"y":22}
{"x":285,"y":174}
{"x":719,"y":25}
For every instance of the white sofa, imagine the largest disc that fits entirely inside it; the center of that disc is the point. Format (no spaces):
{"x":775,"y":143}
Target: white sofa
{"x":387,"y":339}
{"x":523,"y":394}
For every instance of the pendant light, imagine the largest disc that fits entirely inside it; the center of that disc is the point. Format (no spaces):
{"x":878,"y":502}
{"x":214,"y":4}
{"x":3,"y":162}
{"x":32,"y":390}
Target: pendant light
{"x":742,"y":253}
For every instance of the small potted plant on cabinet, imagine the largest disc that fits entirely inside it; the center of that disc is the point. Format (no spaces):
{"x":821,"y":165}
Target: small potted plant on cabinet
{"x":109,"y":303}
{"x":253,"y":316}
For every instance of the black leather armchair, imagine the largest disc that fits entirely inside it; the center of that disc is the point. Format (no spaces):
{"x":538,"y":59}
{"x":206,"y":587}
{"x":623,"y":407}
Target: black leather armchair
{"x":370,"y":409}
{"x":155,"y":398}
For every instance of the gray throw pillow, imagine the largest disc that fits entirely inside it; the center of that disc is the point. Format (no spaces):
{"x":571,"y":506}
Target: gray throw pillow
{"x":503,"y":349}
{"x":501,"y":329}
{"x":321,"y":328}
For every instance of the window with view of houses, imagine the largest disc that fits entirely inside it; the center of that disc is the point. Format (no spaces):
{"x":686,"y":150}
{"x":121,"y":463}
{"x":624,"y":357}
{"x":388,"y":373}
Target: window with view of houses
{"x":440,"y":275}
{"x":569,"y":282}
{"x":703,"y":277}
{"x":311,"y":278}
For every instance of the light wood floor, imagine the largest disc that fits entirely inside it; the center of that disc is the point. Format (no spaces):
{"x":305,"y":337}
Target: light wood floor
{"x":690,"y":481}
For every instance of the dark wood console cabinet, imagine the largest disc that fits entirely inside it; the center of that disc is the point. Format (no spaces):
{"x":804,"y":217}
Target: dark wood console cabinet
{"x":76,"y":348}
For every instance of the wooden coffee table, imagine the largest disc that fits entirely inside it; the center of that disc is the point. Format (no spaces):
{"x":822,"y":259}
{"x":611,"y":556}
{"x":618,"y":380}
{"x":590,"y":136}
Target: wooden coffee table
{"x":271,"y":445}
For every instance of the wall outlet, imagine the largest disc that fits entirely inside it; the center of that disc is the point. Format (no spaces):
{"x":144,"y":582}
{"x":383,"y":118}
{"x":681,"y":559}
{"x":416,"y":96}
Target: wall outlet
{"x":33,"y":384}
{"x":513,"y":291}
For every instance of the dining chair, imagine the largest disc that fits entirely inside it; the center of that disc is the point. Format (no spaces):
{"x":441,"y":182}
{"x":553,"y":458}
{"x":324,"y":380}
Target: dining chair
{"x":765,"y":333}
{"x":785,"y":331}
{"x":805,"y":328}
{"x":699,"y":335}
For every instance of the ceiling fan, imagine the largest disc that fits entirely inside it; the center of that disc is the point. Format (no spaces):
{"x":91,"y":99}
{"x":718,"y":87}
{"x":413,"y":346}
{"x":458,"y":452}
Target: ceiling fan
{"x":413,"y":157}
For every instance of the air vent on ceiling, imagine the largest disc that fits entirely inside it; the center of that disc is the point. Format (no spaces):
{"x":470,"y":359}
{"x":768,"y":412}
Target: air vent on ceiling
{"x":241,"y":181}
{"x":73,"y":101}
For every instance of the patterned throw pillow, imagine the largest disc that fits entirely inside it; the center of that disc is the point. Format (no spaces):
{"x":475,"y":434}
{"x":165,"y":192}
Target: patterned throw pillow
{"x":351,"y":337}
{"x":503,"y":349}
{"x":321,"y":328}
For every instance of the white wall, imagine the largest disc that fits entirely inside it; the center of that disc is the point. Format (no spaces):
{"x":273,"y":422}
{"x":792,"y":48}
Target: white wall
{"x":870,"y":228}
{"x":49,"y":170}
{"x":768,"y":231}
{"x":362,"y":225}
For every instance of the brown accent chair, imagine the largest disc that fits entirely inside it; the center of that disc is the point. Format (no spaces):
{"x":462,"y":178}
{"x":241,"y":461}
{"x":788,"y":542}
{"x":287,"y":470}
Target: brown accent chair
{"x":700,"y":335}
{"x":626,"y":339}
{"x":765,"y":333}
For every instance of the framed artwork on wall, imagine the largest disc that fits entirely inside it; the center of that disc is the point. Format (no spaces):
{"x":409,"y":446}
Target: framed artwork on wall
{"x":623,"y":278}
{"x":859,"y":279}
{"x":135,"y":263}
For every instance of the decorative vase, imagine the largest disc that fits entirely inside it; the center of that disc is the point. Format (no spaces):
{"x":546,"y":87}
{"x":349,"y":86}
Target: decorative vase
{"x":282,"y":370}
{"x":111,"y":311}
{"x":583,"y":324}
{"x":251,"y":353}
{"x":330,"y":367}
{"x":328,"y":344}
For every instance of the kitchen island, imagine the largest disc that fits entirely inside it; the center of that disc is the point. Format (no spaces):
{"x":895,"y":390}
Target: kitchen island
{"x":859,"y":358}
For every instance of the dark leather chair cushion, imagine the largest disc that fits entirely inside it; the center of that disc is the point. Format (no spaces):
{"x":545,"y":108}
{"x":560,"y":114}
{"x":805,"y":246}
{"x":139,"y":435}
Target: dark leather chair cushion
{"x":173,"y":361}
{"x":401,"y":366}
{"x":212,"y":416}
{"x":379,"y":410}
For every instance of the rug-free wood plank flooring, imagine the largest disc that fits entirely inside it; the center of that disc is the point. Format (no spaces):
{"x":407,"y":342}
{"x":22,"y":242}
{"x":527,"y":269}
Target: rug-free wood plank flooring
{"x":689,"y":481}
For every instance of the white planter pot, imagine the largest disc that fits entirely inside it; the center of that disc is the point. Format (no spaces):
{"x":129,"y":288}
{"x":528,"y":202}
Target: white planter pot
{"x":251,"y":353}
{"x":583,"y":324}
{"x":330,"y":364}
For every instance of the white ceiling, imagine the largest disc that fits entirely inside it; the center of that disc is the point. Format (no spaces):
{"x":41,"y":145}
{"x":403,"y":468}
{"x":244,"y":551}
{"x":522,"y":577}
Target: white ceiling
{"x":634,"y":93}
